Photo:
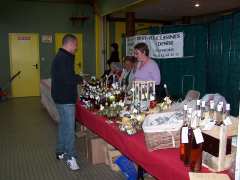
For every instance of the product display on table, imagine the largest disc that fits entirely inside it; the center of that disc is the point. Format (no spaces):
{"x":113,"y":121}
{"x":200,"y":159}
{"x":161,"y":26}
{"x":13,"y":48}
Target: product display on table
{"x":201,"y":129}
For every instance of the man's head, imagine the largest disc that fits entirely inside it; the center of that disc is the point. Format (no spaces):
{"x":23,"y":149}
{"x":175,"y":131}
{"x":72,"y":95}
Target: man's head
{"x":69,"y":43}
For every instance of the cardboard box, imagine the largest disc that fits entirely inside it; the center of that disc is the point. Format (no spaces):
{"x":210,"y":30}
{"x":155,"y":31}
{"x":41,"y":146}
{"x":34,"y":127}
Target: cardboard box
{"x":96,"y":150}
{"x":110,"y":147}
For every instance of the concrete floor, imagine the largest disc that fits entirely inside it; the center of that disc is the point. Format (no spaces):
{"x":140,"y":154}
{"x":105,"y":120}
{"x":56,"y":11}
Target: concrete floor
{"x":27,"y":146}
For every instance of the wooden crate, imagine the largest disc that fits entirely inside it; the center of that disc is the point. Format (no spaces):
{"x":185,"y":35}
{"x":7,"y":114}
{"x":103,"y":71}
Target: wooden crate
{"x":223,"y":161}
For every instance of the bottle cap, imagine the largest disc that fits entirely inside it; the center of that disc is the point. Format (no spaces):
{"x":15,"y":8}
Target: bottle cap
{"x":227,"y":107}
{"x":185,"y":107}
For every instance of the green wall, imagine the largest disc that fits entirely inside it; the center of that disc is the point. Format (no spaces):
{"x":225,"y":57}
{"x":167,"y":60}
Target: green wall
{"x":224,"y":58}
{"x":45,"y":18}
{"x":188,"y":72}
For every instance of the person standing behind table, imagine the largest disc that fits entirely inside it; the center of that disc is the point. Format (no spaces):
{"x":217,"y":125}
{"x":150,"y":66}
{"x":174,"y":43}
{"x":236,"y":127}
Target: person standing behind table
{"x":147,"y":69}
{"x":128,"y":72}
{"x":64,"y":94}
{"x":114,"y":57}
{"x":114,"y":73}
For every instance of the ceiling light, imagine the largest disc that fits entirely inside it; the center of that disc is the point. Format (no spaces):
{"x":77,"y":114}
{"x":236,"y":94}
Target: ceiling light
{"x":197,"y":5}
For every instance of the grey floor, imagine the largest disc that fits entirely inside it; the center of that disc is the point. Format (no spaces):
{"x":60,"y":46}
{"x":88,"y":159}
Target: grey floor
{"x":27,"y":146}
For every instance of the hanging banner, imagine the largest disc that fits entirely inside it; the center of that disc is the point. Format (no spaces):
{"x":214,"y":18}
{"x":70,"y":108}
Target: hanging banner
{"x":160,"y":46}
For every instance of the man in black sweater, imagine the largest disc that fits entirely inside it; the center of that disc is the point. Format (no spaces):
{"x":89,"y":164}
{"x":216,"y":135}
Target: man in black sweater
{"x":64,"y":94}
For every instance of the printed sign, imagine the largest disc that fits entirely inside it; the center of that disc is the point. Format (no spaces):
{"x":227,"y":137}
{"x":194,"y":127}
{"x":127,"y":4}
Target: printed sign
{"x":160,"y":46}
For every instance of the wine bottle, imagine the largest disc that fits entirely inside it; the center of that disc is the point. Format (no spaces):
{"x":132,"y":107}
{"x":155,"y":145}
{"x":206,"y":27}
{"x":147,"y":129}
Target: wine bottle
{"x":198,"y":105}
{"x":183,"y":133}
{"x":219,"y":115}
{"x":203,"y":110}
{"x":196,"y":144}
{"x":211,"y":111}
{"x":188,"y":136}
{"x":227,"y":119}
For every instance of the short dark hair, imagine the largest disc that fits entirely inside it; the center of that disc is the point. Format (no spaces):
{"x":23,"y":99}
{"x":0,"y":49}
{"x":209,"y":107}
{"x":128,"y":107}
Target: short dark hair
{"x":143,"y":48}
{"x":68,"y":38}
{"x":131,"y":59}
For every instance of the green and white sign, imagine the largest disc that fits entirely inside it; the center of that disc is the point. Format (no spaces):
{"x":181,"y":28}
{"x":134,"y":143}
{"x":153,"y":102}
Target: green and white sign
{"x":160,"y":46}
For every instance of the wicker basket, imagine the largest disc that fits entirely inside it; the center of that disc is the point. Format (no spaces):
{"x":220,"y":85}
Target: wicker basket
{"x":161,"y":132}
{"x":162,"y":140}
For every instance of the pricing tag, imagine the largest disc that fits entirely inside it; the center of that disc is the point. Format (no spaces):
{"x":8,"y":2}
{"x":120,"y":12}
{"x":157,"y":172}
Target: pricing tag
{"x":198,"y":136}
{"x":227,"y":121}
{"x":184,"y":135}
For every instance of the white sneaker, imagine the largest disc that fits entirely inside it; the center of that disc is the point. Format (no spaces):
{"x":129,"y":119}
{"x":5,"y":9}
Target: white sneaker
{"x":72,"y":164}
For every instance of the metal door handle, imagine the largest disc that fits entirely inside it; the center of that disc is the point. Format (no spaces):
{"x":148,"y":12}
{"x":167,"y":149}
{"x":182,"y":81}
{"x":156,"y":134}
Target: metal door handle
{"x":36,"y":66}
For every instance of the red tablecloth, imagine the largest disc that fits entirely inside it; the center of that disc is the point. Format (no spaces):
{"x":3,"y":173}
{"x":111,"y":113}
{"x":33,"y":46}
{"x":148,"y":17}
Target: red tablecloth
{"x":162,"y":164}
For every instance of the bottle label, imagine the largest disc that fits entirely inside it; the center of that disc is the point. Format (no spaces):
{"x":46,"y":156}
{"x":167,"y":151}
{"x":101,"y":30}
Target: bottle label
{"x":211,"y":104}
{"x":198,"y":102}
{"x":185,"y":107}
{"x":227,"y":121}
{"x":227,"y":107}
{"x":184,"y":135}
{"x":198,"y":136}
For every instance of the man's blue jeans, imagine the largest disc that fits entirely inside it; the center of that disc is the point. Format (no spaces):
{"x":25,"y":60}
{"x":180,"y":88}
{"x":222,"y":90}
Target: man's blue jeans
{"x":66,"y":130}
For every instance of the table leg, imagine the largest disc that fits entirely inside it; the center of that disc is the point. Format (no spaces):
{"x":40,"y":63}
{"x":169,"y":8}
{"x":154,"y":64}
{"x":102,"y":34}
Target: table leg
{"x":140,"y":173}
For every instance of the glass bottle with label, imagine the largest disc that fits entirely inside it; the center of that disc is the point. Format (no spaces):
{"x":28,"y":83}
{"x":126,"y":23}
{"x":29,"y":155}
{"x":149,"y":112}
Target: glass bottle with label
{"x":187,"y":136}
{"x":211,"y":111}
{"x":183,"y":138}
{"x":226,"y":118}
{"x":196,"y":145}
{"x":203,"y":110}
{"x":219,"y":115}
